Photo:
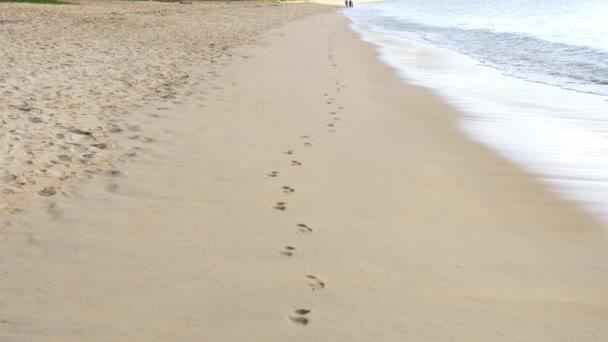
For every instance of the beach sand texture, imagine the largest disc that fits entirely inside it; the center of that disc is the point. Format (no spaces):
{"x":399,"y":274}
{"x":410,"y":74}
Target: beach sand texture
{"x":70,"y":75}
{"x":298,"y":190}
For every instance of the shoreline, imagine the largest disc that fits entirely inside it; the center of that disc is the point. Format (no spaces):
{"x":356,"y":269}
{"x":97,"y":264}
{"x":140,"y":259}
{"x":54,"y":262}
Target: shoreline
{"x":563,"y":140}
{"x":347,"y":193}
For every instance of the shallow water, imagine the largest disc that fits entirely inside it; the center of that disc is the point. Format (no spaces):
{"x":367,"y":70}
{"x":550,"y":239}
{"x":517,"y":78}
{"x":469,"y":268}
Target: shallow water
{"x":528,"y":91}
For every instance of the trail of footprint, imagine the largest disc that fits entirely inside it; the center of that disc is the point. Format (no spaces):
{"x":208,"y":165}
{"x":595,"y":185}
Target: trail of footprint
{"x":302,"y":228}
{"x":287,"y":251}
{"x":314,"y":283}
{"x":280,"y":206}
{"x":299,"y":317}
{"x":288,"y":190}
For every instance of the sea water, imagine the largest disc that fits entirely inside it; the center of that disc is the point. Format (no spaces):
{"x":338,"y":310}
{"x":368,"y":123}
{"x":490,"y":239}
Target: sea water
{"x":530,"y":76}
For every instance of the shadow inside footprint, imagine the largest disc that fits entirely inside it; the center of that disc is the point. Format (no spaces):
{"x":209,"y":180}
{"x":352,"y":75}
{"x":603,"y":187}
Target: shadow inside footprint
{"x":299,"y":320}
{"x":272,"y":174}
{"x":295,"y":163}
{"x":298,"y":317}
{"x":287,"y":251}
{"x":288,"y":190}
{"x":314,"y":283}
{"x":280,"y":206}
{"x":302,"y":228}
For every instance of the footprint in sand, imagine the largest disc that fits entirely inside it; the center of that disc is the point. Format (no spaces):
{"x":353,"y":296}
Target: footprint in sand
{"x":307,"y":144}
{"x":287,"y":189}
{"x":332,"y":131}
{"x":333,"y":113}
{"x":299,"y":317}
{"x":287,"y":251}
{"x":272,"y":174}
{"x":314,"y":283}
{"x":302,"y":228}
{"x":336,"y":119}
{"x":114,"y":173}
{"x":295,"y":163}
{"x":280,"y":206}
{"x":288,"y":152}
{"x":112,"y":187}
{"x":48,"y":191}
{"x":330,"y":125}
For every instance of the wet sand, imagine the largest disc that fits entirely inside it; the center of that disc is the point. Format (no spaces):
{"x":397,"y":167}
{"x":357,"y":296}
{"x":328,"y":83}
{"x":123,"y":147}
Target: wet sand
{"x":300,"y":191}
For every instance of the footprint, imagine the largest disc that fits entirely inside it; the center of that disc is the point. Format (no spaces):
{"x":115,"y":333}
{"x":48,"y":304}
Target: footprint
{"x":299,"y":317}
{"x":332,"y":131}
{"x":302,"y":312}
{"x":295,"y":163}
{"x":304,"y":136}
{"x":314,"y":283}
{"x":273,"y":174}
{"x":48,"y":191}
{"x":333,"y":113}
{"x":330,"y":125}
{"x":280,"y":206}
{"x":287,"y":251}
{"x":112,"y":187}
{"x":302,"y":228}
{"x":289,"y":152}
{"x":307,"y":144}
{"x":336,"y":119}
{"x":287,"y":189}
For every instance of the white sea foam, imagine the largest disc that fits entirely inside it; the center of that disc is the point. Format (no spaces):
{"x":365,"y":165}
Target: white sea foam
{"x":560,"y":135}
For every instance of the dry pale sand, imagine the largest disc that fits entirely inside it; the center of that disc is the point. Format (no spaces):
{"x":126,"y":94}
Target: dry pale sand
{"x":303,"y":194}
{"x":71,"y":75}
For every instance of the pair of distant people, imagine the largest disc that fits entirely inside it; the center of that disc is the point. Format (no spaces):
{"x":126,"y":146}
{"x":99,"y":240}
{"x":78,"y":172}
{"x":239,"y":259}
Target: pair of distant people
{"x":348,"y":3}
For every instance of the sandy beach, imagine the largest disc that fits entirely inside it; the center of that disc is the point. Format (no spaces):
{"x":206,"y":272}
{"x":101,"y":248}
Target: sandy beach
{"x":263,"y":180}
{"x":71,"y":75}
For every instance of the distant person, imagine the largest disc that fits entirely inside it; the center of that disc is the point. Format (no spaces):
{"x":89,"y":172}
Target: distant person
{"x":350,"y":3}
{"x":345,"y":3}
